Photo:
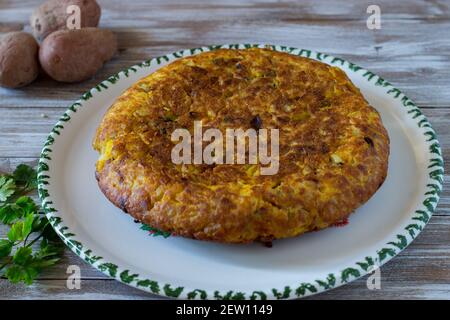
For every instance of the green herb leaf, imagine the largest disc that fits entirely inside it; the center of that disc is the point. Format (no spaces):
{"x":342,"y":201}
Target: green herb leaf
{"x":25,"y":176}
{"x":20,"y":261}
{"x":21,"y":229}
{"x":17,"y":273}
{"x":26,"y":204}
{"x":25,"y":267}
{"x":7,"y":186}
{"x":23,"y":256}
{"x":40,"y":223}
{"x":28,"y":224}
{"x":9,"y":213}
{"x":15,"y":233}
{"x":48,"y":249}
{"x":5,"y":247}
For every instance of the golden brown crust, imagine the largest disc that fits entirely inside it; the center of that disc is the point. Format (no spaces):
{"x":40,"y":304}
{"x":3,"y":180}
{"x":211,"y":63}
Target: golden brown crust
{"x":333,"y":147}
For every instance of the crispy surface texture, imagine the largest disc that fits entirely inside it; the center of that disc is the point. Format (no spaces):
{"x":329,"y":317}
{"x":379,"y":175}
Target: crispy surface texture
{"x":333,"y":147}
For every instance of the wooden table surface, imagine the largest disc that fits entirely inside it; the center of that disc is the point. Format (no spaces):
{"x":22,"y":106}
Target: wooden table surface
{"x":411,"y":50}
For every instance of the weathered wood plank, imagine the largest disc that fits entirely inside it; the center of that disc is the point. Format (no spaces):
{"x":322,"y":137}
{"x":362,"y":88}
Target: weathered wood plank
{"x":173,"y":10}
{"x":390,"y":290}
{"x":110,"y":289}
{"x":106,"y":290}
{"x":412,"y":54}
{"x":422,"y":76}
{"x":57,"y":289}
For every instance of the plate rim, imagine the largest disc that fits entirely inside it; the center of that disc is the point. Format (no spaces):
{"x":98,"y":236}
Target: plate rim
{"x":415,"y":223}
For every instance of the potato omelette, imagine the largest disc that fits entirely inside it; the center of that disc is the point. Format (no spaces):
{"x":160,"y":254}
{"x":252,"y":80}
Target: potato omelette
{"x":333,"y":147}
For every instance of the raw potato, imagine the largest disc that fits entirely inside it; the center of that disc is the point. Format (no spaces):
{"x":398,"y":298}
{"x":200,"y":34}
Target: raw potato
{"x":51,"y":16}
{"x":18,"y":59}
{"x":76,"y":55}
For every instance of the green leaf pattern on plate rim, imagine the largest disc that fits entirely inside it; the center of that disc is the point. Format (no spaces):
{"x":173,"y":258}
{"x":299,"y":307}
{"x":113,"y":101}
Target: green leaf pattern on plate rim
{"x":395,"y":246}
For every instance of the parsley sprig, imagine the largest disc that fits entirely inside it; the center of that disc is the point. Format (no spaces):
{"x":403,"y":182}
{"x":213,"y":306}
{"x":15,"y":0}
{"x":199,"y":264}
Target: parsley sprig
{"x":21,"y":258}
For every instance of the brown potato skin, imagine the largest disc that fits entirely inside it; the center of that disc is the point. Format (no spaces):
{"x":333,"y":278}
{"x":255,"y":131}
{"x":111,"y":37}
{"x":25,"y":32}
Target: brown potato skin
{"x":51,"y":16}
{"x":76,"y":55}
{"x":19,"y":64}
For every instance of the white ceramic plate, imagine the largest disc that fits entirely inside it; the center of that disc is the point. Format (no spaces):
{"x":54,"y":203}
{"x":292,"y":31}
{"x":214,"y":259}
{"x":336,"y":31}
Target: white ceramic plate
{"x":176,"y":267}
